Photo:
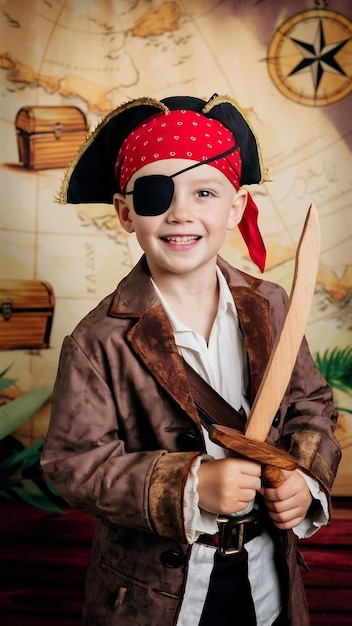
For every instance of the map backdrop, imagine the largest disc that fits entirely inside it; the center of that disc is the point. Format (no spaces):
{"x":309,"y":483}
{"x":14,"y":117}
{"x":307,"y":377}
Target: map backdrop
{"x":289,"y":66}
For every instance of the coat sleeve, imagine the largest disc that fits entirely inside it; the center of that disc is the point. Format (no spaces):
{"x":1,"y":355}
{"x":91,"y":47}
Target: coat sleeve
{"x":85,"y":455}
{"x":310,"y":422}
{"x":308,"y":418}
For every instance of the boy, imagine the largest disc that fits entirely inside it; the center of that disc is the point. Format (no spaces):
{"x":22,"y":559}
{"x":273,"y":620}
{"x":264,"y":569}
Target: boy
{"x":125,"y":442}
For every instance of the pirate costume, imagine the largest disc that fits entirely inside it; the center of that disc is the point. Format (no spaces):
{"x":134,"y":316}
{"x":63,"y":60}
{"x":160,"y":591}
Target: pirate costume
{"x":125,"y":440}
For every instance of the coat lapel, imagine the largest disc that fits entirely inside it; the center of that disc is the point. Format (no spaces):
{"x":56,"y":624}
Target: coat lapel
{"x":152,"y":339}
{"x":254,"y":316}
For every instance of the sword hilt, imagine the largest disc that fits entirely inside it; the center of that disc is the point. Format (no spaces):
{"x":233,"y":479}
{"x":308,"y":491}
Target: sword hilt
{"x":272,"y":476}
{"x":272,"y":459}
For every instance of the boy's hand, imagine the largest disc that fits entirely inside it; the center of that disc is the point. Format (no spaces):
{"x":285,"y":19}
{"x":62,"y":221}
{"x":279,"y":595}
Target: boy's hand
{"x":227,"y":485}
{"x":288,"y":504}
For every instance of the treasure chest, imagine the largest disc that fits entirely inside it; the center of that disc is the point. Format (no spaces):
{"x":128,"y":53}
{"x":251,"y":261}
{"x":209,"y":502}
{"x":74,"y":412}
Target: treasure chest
{"x":49,"y":136}
{"x":27,"y":308}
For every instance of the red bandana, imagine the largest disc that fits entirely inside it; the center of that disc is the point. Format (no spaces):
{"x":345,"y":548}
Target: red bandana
{"x":185,"y":134}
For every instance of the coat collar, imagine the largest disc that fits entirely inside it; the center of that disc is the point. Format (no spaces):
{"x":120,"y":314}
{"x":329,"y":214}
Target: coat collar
{"x":151,"y":337}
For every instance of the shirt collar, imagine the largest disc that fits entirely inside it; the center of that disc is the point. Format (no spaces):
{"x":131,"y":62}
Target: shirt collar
{"x":226,"y":303}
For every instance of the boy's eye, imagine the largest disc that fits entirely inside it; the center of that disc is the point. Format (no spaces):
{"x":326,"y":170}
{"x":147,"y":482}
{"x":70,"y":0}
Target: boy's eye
{"x":204,"y":193}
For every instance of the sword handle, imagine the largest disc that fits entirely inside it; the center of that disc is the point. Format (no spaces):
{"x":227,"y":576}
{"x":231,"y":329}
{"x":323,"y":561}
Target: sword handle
{"x":273,"y":477}
{"x":260,"y":452}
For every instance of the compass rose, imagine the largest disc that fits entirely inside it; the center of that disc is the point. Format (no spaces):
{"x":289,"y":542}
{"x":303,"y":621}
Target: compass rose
{"x":310,"y":57}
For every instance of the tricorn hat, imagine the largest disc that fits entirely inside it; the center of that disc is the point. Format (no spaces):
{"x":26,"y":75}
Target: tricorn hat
{"x":90,"y":177}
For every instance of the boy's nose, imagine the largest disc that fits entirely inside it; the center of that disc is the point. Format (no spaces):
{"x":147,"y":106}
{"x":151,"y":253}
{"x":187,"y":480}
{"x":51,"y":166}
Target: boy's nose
{"x":179,"y":210}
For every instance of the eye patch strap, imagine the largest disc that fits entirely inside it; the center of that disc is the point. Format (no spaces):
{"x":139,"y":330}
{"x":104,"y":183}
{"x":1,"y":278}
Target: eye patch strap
{"x":210,"y":160}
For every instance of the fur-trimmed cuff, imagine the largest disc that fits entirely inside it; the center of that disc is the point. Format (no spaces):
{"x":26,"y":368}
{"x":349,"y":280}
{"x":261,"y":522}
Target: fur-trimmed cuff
{"x":166,"y":494}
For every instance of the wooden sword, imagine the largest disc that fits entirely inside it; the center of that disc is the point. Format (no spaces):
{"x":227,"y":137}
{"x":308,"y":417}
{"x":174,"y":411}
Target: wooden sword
{"x":252,"y":444}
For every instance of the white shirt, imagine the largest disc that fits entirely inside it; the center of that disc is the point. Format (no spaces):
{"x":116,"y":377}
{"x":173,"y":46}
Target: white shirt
{"x":222,"y":363}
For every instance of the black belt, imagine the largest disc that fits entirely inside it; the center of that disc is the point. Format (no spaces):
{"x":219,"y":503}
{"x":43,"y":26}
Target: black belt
{"x":234,"y":532}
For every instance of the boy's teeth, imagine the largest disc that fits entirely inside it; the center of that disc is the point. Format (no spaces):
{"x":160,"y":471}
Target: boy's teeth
{"x":180,"y":239}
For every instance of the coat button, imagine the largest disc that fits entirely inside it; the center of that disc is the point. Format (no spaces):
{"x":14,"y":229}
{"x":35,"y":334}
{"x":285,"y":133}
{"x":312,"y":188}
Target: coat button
{"x":172,"y":558}
{"x":276,"y":420}
{"x":187,"y":442}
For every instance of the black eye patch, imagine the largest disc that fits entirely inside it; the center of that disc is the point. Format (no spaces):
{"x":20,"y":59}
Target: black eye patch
{"x":152,"y":195}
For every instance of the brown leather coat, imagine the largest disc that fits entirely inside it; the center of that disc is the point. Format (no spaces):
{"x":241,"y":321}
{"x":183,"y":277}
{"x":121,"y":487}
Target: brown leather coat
{"x":124,"y":432}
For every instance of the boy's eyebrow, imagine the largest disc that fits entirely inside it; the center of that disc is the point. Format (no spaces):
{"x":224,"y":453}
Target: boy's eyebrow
{"x":208,"y":181}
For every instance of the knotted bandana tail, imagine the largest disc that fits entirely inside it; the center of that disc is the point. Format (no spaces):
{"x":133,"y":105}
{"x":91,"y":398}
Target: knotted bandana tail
{"x":250,"y":232}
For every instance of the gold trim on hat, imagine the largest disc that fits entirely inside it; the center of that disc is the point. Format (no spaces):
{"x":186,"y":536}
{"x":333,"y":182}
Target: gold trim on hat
{"x":225,"y":99}
{"x":61,"y":197}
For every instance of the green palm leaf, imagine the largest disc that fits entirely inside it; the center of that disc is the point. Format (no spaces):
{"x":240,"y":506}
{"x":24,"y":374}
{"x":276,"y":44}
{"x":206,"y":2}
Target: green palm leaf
{"x":6,"y":382}
{"x":22,"y":478}
{"x":336,"y":367}
{"x":31,"y":494}
{"x":15,"y":413}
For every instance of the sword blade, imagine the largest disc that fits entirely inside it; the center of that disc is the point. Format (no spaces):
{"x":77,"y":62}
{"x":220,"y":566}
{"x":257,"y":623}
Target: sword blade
{"x":283,"y":357}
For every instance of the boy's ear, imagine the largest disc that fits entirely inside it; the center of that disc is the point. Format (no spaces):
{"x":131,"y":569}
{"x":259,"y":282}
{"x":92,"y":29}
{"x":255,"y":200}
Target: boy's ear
{"x":123,"y":212}
{"x":237,"y":209}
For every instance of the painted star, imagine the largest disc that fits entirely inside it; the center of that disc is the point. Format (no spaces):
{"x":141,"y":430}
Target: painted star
{"x":319,"y":56}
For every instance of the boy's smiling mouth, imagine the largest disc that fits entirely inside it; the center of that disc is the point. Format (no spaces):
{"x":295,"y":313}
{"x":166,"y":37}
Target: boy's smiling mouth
{"x":181,"y":238}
